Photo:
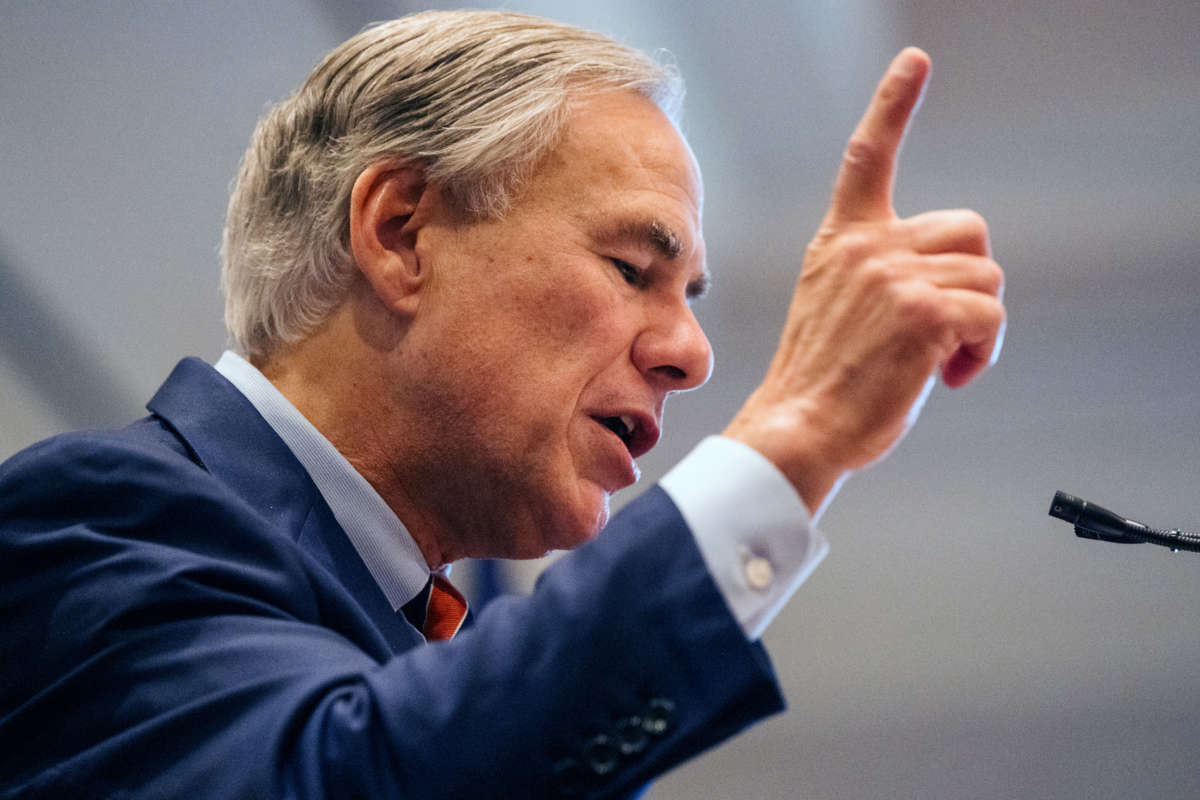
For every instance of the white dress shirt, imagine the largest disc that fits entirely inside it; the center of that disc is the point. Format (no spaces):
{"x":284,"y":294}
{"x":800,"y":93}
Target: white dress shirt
{"x":750,"y":525}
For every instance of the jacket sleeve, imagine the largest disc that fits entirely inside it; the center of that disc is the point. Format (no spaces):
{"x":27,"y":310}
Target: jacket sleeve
{"x":172,"y":644}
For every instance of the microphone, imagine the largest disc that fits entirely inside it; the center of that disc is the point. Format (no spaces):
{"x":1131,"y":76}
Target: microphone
{"x":1096,"y":522}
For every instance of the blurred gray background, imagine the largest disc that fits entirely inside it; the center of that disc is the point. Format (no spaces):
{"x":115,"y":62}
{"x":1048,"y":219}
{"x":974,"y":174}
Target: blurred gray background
{"x":957,"y":642}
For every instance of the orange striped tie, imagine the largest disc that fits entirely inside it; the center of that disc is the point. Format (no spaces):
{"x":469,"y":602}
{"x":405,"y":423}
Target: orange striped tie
{"x":445,"y":611}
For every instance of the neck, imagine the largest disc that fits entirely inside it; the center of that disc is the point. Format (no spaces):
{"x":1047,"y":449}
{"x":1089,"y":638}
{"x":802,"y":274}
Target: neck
{"x":341,"y":378}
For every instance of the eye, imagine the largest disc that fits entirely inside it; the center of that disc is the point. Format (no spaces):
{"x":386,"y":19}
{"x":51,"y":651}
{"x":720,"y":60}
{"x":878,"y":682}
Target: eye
{"x":634,"y":276}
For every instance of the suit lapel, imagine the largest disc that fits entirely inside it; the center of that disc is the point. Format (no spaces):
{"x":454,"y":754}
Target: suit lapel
{"x":230,"y":439}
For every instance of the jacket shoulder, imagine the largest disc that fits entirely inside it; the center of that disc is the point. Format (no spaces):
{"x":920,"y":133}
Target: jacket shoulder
{"x":75,"y":470}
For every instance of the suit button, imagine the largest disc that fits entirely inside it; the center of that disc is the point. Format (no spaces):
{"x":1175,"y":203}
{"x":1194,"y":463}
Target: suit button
{"x":631,"y":736}
{"x":659,"y":713}
{"x":571,"y":778}
{"x":601,"y":755}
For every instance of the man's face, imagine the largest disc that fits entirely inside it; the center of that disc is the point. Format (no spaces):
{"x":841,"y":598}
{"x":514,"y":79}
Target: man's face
{"x":545,"y":343}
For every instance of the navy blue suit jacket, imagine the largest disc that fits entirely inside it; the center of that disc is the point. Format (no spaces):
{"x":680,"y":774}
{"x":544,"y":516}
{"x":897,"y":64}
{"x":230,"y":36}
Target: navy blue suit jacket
{"x":181,"y":616}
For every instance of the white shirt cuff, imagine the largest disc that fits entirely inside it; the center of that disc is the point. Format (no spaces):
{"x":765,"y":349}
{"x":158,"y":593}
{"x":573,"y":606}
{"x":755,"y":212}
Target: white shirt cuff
{"x":752,"y":528}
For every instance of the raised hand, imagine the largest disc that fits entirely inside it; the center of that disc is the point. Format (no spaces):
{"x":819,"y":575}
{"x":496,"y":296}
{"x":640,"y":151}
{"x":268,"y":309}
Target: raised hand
{"x":880,"y":305}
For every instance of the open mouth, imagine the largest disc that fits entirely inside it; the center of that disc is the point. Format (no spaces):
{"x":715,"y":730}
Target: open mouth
{"x":638,"y":433}
{"x":623,"y":427}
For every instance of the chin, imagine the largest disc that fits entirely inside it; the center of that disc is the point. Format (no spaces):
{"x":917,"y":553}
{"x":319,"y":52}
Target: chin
{"x":560,"y":529}
{"x":582,"y":527}
{"x":555,"y":521}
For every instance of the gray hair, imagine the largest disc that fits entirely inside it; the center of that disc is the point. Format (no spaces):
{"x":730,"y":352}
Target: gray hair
{"x":475,"y":98}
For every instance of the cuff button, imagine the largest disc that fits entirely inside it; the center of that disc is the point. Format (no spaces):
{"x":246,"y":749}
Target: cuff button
{"x":759,"y":572}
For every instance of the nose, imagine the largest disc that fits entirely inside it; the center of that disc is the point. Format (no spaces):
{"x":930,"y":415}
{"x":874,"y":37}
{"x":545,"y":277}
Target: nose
{"x":672,"y":350}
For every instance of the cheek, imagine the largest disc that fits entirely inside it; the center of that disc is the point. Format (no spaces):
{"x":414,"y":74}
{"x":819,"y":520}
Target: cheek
{"x":574,"y":323}
{"x":565,"y":338}
{"x":532,"y":335}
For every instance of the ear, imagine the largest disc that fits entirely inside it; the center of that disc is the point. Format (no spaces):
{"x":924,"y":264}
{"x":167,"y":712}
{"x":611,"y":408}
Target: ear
{"x":386,"y":214}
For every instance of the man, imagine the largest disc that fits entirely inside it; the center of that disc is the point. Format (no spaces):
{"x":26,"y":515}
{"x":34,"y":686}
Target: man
{"x":458,"y":265}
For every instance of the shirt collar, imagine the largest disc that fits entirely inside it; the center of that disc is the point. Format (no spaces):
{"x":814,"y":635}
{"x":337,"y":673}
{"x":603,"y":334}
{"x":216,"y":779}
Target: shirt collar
{"x":377,"y":534}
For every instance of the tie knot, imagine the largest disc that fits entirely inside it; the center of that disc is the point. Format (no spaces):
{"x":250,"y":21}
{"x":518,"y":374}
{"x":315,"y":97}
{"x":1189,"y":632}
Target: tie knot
{"x":444,"y":611}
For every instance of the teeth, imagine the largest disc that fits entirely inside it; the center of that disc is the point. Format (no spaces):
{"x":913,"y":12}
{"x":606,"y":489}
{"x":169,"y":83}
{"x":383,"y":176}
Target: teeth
{"x":623,"y":426}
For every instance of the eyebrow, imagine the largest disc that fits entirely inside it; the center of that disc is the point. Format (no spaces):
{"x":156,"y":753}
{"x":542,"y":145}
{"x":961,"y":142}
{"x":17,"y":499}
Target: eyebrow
{"x":661,"y":239}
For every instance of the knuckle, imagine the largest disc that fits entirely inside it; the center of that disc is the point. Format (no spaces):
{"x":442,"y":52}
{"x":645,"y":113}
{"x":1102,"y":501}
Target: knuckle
{"x":974,"y":226}
{"x":891,"y":95}
{"x":857,"y":245}
{"x":999,"y":315}
{"x":862,"y":153}
{"x":972,"y":219}
{"x":995,"y":276}
{"x":919,"y":309}
{"x":879,"y":272}
{"x":889,"y":92}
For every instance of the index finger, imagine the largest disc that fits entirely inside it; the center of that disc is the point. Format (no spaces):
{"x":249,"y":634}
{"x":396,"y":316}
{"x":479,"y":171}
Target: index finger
{"x":863,"y":189}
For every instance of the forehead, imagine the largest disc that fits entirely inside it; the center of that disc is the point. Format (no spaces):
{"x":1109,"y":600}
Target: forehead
{"x":622,"y":166}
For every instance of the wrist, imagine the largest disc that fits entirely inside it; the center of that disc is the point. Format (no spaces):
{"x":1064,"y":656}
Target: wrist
{"x":808,"y":459}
